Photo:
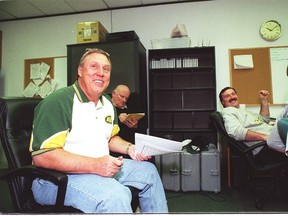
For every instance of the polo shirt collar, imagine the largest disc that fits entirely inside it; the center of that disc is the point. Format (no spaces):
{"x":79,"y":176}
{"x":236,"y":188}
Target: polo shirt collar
{"x":81,"y":95}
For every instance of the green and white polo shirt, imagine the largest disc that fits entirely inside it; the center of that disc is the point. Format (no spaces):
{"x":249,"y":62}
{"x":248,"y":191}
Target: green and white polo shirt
{"x":67,"y":119}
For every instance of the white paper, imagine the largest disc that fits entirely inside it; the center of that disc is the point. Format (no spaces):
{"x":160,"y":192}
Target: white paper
{"x":45,"y":89}
{"x":38,"y":81}
{"x":53,"y":84}
{"x":35,"y":71}
{"x":279,"y":54}
{"x":30,"y":90}
{"x":151,"y":145}
{"x":243,"y":62}
{"x":279,"y":64}
{"x":44,"y":69}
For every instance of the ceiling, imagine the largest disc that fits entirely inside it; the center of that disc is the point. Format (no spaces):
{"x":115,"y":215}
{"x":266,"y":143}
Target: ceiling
{"x":27,"y":9}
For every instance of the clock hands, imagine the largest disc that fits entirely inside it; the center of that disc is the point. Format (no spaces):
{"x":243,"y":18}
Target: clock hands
{"x":272,"y":28}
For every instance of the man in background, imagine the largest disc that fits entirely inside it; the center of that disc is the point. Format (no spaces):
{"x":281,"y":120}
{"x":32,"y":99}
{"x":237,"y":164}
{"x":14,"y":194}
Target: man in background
{"x":120,"y":96}
{"x":251,"y":127}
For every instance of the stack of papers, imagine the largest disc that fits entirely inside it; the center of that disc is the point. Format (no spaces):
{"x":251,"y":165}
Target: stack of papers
{"x":151,"y":145}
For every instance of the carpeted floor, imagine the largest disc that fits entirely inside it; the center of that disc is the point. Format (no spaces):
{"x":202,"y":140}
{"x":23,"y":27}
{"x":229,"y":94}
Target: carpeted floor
{"x":235,"y":200}
{"x":202,"y":202}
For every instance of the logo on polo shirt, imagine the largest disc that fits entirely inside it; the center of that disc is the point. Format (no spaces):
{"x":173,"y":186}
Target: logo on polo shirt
{"x":108,"y":119}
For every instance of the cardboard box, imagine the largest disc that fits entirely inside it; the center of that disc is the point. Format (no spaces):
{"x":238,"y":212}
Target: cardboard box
{"x":88,"y":32}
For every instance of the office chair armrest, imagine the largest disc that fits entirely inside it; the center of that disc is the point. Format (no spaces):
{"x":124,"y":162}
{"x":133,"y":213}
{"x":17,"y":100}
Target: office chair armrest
{"x":257,"y":145}
{"x":58,"y":178}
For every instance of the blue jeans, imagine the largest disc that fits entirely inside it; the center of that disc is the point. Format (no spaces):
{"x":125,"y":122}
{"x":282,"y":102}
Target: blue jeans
{"x":96,"y":194}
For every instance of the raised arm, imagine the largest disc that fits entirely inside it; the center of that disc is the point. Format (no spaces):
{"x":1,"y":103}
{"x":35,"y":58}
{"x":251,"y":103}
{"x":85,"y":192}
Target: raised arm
{"x":264,"y":104}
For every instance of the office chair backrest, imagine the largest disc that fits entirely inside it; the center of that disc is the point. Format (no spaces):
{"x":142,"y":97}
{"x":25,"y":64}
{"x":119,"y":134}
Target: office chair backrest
{"x":240,"y":148}
{"x":218,"y":123}
{"x":16,"y":117}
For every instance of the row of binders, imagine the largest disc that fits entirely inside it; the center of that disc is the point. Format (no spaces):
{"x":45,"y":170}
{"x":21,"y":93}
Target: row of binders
{"x":174,"y":63}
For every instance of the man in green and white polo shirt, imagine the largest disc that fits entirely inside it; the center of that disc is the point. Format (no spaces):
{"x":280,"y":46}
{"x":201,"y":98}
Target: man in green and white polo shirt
{"x":73,"y":130}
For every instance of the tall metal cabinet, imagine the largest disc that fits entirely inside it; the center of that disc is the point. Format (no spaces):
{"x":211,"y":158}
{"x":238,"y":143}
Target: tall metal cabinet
{"x":128,"y":67}
{"x":182,"y":92}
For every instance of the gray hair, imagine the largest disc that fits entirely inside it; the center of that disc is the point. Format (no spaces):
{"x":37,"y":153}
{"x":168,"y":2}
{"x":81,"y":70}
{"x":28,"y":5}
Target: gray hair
{"x":91,"y":51}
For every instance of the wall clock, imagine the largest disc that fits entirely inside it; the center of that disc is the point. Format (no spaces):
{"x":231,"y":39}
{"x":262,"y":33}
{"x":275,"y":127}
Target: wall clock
{"x":270,"y":30}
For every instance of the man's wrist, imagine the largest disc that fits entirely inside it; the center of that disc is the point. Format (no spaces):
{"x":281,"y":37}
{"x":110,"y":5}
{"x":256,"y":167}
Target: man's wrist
{"x":127,"y":148}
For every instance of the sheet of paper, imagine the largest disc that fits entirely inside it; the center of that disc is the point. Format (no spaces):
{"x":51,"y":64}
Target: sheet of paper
{"x":35,"y":71}
{"x":152,"y":145}
{"x":44,"y":69}
{"x":38,"y":81}
{"x":30,"y":90}
{"x":53,"y":84}
{"x":243,"y":62}
{"x":45,"y":89}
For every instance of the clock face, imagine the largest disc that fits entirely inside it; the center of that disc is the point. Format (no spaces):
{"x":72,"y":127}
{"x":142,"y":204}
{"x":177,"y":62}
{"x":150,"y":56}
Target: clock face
{"x":270,"y":30}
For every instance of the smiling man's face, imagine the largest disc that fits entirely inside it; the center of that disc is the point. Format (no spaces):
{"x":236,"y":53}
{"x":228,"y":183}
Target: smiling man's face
{"x":94,"y":75}
{"x":230,"y":98}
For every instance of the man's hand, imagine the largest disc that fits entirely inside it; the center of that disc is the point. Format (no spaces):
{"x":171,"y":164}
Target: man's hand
{"x":122,"y":116}
{"x":136,"y":156}
{"x":264,"y":109}
{"x":108,"y":166}
{"x":132,"y":123}
{"x":263,"y":95}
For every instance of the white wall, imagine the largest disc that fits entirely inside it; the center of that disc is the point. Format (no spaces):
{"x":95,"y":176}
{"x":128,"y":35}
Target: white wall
{"x":225,"y":23}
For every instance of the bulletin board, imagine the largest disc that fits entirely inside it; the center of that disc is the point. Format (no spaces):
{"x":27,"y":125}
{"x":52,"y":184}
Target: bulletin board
{"x":30,"y":62}
{"x":249,"y":79}
{"x":55,"y":75}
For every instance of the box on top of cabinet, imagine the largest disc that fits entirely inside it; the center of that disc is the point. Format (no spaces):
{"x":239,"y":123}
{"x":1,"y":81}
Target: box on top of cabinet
{"x":88,"y":32}
{"x":181,"y":42}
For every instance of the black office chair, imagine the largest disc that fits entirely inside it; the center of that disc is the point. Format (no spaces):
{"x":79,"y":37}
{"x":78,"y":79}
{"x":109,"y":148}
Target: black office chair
{"x":261,"y":163}
{"x":16,"y":117}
